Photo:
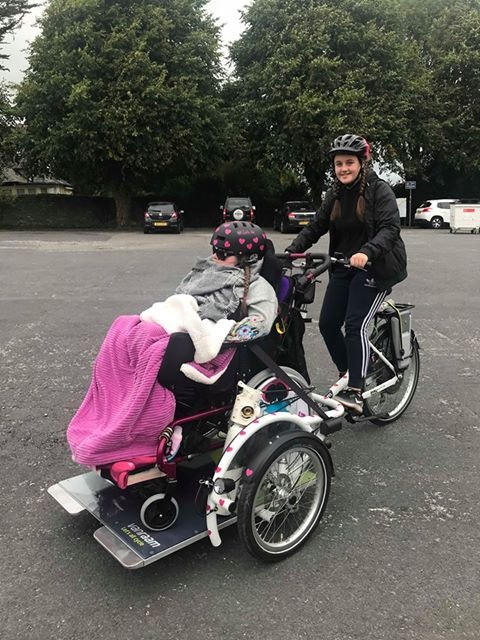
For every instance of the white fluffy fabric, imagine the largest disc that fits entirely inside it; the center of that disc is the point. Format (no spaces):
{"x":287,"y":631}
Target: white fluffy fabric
{"x":180,"y":313}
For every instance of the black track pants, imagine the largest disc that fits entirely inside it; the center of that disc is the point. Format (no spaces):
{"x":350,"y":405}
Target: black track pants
{"x":351,"y":299}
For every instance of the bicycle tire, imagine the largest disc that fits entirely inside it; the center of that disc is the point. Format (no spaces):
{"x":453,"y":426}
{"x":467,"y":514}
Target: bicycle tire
{"x":279,"y":491}
{"x":393,"y":402}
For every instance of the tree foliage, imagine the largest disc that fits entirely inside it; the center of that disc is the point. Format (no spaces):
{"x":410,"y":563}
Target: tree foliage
{"x":307,"y":71}
{"x":118,"y":93}
{"x":11,"y":14}
{"x":124,"y":97}
{"x":456,"y":72}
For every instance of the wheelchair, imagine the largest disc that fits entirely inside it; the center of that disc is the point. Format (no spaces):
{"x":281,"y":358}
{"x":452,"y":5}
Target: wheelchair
{"x":253,"y":451}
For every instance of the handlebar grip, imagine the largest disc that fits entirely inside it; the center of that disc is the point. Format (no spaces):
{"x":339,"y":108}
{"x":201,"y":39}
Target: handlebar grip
{"x":345,"y":262}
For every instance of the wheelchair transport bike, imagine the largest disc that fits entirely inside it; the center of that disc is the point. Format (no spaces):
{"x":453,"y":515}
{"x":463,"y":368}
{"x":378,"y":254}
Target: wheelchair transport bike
{"x":253,"y":452}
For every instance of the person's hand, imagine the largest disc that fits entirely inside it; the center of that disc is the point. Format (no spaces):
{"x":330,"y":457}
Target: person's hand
{"x":358,"y":260}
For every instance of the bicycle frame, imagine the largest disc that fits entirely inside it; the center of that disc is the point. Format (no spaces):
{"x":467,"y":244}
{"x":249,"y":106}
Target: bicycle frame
{"x":342,"y":383}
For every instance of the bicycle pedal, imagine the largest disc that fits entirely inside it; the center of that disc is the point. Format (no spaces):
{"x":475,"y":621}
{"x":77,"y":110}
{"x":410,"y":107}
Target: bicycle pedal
{"x":356,"y":419}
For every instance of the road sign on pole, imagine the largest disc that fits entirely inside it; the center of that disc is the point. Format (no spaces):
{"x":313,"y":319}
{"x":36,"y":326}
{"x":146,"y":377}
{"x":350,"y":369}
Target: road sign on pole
{"x":410,"y":184}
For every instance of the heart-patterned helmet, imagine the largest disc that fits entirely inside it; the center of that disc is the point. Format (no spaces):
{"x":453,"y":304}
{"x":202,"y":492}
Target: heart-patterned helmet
{"x":239,"y":239}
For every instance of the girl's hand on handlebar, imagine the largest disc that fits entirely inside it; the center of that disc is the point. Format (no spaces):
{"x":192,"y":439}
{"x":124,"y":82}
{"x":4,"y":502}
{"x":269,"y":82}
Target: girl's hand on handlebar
{"x":358,"y":260}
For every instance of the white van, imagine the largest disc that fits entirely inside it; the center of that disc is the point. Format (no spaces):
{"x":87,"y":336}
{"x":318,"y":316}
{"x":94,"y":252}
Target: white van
{"x":434,"y":213}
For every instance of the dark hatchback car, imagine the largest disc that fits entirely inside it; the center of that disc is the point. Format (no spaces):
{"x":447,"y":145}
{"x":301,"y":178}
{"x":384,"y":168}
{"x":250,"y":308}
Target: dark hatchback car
{"x":293,"y":215}
{"x":161,"y":216}
{"x":237,"y":208}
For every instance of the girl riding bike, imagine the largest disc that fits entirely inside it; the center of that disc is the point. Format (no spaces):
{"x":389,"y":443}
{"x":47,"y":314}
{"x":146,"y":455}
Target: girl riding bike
{"x":362,"y":217}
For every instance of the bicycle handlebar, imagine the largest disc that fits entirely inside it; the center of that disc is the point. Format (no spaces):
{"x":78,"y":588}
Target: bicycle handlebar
{"x":313,"y":259}
{"x":319,"y":261}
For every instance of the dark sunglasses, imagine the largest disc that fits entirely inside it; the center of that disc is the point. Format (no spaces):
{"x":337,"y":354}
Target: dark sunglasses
{"x":222,"y":255}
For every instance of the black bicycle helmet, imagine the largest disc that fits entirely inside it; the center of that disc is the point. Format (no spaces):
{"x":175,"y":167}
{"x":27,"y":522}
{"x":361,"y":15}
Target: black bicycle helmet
{"x":239,"y":239}
{"x":351,"y":143}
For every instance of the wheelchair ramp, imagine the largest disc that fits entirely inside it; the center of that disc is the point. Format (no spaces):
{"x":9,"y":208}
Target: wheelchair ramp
{"x":122,"y":533}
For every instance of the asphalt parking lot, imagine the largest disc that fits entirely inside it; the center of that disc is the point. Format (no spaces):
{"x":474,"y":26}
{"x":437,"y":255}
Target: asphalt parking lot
{"x":397,"y":554}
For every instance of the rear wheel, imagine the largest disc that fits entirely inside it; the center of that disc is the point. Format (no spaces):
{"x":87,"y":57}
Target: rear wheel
{"x":391,"y":403}
{"x":282,"y":502}
{"x":436,"y":222}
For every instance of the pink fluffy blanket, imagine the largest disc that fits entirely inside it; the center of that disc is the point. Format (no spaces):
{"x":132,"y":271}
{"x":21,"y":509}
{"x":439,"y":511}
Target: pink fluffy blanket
{"x":125,"y":409}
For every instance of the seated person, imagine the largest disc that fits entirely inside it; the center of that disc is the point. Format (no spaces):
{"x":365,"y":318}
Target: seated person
{"x":223,"y":299}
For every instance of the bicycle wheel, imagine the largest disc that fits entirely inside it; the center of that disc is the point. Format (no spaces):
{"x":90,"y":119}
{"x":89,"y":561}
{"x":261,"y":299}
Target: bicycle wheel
{"x":388,"y":405}
{"x":282,"y":503}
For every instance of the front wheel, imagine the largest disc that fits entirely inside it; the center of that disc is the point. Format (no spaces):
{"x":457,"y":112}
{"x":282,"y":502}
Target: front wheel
{"x":283,"y":499}
{"x":388,"y":405}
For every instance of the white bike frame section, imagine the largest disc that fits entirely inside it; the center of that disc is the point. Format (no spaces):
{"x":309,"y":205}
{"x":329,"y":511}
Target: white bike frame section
{"x":341,"y":384}
{"x":240,"y":432}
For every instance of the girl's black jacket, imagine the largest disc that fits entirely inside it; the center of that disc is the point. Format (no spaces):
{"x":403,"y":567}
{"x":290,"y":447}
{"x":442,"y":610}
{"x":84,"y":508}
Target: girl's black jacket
{"x":384,"y":246}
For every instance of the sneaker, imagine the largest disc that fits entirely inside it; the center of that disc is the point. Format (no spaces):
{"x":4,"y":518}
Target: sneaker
{"x":351,"y":400}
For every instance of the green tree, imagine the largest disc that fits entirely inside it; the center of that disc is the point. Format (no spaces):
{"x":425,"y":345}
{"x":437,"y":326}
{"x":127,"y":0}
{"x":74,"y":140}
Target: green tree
{"x":440,"y":148}
{"x":122,"y":93}
{"x":456,"y":72}
{"x":307,"y":70}
{"x":11,"y":14}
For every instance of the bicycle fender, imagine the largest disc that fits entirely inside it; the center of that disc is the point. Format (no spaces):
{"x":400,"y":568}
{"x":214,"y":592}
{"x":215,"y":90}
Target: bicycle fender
{"x":414,"y":340}
{"x":259,"y":459}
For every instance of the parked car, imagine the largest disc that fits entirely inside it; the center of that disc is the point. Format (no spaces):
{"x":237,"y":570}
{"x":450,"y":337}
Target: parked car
{"x":161,"y":216}
{"x":434,"y":213}
{"x":237,"y":208}
{"x":292,"y":215}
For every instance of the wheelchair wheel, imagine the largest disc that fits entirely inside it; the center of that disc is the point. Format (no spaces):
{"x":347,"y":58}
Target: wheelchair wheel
{"x":391,"y":403}
{"x":159,"y":512}
{"x":277,"y":396}
{"x":281,"y":503}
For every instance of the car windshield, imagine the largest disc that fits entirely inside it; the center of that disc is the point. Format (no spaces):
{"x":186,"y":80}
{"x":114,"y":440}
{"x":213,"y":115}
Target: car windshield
{"x":301,"y":206}
{"x":162,"y":208}
{"x":238,"y":202}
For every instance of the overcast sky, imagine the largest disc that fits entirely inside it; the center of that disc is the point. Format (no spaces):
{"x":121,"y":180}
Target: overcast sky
{"x":225,"y":11}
